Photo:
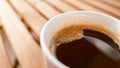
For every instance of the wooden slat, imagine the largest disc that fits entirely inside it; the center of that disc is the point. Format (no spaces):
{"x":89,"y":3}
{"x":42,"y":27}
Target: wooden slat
{"x":26,"y":49}
{"x":82,"y":5}
{"x":118,"y":0}
{"x":9,"y":49}
{"x":4,"y":59}
{"x":104,"y":7}
{"x":61,"y":5}
{"x":114,"y":3}
{"x":0,"y":23}
{"x":44,"y":8}
{"x":18,"y":66}
{"x":32,"y":17}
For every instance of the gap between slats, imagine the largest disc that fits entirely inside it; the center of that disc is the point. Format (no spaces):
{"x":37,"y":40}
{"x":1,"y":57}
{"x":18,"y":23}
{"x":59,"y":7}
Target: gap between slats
{"x":31,"y":17}
{"x":103,"y":7}
{"x":26,"y":49}
{"x":59,"y":5}
{"x":43,"y":8}
{"x":80,"y":5}
{"x":9,"y":49}
{"x":4,"y":58}
{"x":113,"y":3}
{"x":30,"y":27}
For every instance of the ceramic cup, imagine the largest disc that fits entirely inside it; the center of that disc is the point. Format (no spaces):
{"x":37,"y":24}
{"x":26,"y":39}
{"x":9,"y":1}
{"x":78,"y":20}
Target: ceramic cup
{"x":60,"y":20}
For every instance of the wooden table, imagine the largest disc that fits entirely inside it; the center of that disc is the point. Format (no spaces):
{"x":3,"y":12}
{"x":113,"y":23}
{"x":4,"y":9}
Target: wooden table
{"x":22,"y":20}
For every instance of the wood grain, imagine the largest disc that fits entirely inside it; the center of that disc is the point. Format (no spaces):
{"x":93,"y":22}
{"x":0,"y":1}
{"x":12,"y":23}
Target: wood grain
{"x":32,"y":17}
{"x":44,"y":8}
{"x":104,"y":7}
{"x":4,"y":58}
{"x":82,"y":5}
{"x":26,"y":49}
{"x":8,"y":48}
{"x":0,"y":25}
{"x":22,"y":21}
{"x":61,"y":5}
{"x":113,"y":3}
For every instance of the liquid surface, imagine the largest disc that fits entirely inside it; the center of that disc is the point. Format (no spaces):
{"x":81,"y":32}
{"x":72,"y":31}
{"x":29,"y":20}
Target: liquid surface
{"x":82,"y":54}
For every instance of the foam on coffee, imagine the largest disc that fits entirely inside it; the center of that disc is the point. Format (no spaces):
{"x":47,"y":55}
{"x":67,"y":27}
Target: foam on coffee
{"x":74,"y":31}
{"x":68,"y":34}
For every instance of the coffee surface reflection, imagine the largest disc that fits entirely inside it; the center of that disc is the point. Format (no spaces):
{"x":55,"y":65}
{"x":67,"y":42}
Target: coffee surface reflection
{"x":82,"y":54}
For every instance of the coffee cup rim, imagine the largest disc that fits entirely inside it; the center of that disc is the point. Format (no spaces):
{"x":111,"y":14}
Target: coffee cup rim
{"x":44,"y":44}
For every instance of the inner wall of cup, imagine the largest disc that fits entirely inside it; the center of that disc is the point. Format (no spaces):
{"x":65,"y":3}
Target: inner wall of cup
{"x":62,"y":20}
{"x":77,"y":18}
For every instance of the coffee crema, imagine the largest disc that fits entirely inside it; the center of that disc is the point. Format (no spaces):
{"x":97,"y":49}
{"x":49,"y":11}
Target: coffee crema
{"x":72,"y":49}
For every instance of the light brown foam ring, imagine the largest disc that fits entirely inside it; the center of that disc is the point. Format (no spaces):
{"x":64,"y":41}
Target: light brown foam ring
{"x":74,"y":32}
{"x":68,"y":34}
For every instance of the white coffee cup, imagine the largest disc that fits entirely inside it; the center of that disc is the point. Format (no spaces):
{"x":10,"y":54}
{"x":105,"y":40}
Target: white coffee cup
{"x":60,"y":20}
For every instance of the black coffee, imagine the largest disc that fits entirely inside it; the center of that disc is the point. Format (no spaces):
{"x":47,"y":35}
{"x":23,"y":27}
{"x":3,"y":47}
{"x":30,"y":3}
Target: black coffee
{"x":82,"y":54}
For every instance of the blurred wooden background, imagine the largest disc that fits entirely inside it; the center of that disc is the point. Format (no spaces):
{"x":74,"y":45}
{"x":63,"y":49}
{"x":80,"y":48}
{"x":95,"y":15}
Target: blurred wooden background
{"x":22,"y":20}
